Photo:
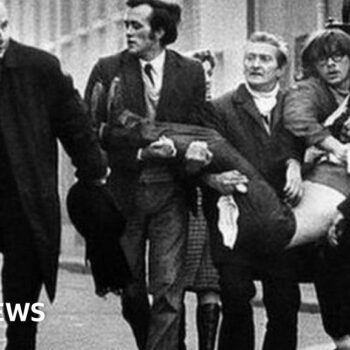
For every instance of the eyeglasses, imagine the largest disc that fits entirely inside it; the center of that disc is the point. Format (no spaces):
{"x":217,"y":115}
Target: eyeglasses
{"x":336,"y":57}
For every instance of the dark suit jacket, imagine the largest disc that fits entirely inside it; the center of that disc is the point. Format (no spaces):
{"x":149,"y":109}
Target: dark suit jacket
{"x":183,"y":94}
{"x":236,"y":117}
{"x":239,"y":121}
{"x":38,"y":106}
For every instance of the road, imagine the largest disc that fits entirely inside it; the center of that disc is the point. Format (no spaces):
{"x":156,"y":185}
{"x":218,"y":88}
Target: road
{"x":79,"y":320}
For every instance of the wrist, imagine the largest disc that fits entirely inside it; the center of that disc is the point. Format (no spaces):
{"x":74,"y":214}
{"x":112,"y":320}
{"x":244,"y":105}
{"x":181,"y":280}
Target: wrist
{"x":208,"y":179}
{"x":292,"y":162}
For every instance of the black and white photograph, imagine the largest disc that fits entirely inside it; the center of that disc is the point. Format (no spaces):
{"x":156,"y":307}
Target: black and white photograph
{"x":175,"y":174}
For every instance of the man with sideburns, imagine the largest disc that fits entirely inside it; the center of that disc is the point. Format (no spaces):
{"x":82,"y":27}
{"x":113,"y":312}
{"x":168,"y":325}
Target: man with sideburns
{"x":250,"y":118}
{"x":162,"y":85}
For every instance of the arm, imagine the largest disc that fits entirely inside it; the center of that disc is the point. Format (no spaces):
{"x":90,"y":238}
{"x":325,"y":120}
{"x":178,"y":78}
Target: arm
{"x":96,"y":96}
{"x":334,"y":146}
{"x":306,"y":106}
{"x":72,"y":126}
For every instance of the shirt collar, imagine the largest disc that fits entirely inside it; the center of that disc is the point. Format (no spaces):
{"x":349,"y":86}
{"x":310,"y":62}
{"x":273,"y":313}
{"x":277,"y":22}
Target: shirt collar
{"x":3,"y":51}
{"x":157,"y":63}
{"x":262,"y":94}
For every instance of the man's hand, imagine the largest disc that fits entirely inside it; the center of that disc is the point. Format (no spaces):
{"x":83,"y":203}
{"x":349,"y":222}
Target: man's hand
{"x":161,"y":149}
{"x":336,"y":230}
{"x":293,"y":189}
{"x":345,"y":132}
{"x":227,"y":182}
{"x":197,"y":156}
{"x":335,"y":147}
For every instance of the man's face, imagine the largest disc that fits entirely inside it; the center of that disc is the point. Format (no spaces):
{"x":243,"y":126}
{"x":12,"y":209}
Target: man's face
{"x":261,"y":68}
{"x":141,"y":40}
{"x":334,"y":70}
{"x":4,"y":29}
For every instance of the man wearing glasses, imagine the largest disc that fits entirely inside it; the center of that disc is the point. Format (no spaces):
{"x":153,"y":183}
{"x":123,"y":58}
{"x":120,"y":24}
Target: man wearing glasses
{"x":316,"y":111}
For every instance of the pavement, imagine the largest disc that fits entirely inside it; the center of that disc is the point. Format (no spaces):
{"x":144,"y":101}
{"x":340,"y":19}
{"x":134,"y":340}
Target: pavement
{"x":80,"y":320}
{"x":72,"y":260}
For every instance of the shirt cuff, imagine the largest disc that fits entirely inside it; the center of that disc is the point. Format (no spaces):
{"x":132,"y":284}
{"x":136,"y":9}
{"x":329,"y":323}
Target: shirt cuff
{"x":139,"y":154}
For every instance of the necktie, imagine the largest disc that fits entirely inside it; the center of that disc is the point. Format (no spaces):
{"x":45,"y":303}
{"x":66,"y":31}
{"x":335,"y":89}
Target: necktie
{"x":266,"y":121}
{"x":148,"y":70}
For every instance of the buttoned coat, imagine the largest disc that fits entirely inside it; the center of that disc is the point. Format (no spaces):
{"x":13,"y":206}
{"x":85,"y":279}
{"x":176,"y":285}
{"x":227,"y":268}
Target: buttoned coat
{"x":237,"y":119}
{"x":182,"y":95}
{"x":39,"y":106}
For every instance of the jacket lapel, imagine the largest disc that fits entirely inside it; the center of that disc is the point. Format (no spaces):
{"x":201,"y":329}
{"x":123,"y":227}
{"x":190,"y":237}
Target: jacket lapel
{"x":276,"y":114}
{"x":133,"y":85}
{"x":168,"y":84}
{"x":243,"y":97}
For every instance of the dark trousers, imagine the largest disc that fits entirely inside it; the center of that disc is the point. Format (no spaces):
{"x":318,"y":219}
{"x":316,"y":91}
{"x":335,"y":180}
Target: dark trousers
{"x":161,"y":218}
{"x":332,"y":282}
{"x":281,"y":298}
{"x":21,"y":278}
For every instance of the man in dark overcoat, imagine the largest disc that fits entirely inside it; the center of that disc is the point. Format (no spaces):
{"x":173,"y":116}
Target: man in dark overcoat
{"x":39,"y":106}
{"x":250,"y":118}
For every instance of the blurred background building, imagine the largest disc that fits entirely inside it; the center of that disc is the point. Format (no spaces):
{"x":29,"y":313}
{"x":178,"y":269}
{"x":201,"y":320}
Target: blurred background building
{"x":80,"y":31}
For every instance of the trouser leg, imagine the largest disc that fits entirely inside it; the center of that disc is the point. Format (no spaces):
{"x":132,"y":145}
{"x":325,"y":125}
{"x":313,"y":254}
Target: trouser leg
{"x":282,"y":301}
{"x":167,"y":235}
{"x":332,"y":283}
{"x":237,"y":290}
{"x":135,"y":303}
{"x":136,"y":311}
{"x":21,"y":282}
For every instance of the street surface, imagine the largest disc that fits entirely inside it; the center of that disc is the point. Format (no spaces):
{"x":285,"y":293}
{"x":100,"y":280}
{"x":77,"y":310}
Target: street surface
{"x":79,"y":320}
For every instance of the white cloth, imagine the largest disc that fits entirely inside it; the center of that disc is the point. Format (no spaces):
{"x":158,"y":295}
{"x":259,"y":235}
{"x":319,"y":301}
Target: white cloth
{"x":265,"y":102}
{"x":227,"y":222}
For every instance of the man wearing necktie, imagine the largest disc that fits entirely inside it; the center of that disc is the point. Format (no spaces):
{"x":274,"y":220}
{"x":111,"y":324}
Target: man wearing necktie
{"x":162,"y":85}
{"x":250,"y":118}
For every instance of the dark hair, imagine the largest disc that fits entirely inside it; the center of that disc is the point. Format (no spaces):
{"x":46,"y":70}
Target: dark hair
{"x":274,"y":40}
{"x":164,"y":16}
{"x":322,"y":44}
